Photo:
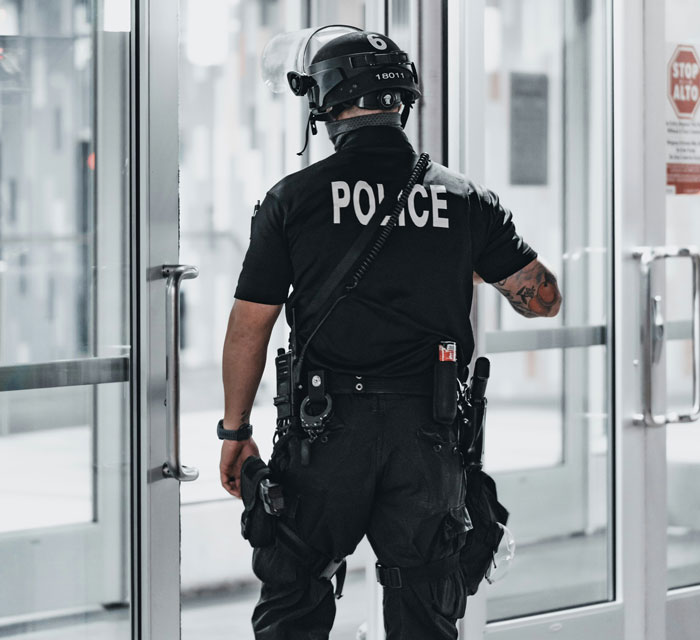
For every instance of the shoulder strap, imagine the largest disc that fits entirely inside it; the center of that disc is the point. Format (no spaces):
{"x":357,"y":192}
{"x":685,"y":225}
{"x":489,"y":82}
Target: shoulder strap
{"x":368,"y":244}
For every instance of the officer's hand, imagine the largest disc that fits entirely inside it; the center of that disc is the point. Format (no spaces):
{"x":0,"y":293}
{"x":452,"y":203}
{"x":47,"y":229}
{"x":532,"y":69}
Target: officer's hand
{"x":233,"y":455}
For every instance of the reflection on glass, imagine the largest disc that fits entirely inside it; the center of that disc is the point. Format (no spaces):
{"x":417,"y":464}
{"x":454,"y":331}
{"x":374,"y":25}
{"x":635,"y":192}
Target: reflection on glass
{"x":32,"y":453}
{"x":47,"y":153}
{"x":525,"y":411}
{"x":64,"y":185}
{"x":555,"y":566}
{"x":549,"y":424}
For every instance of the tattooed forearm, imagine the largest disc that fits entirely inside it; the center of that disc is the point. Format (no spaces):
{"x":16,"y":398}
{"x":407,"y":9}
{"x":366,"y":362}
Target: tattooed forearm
{"x":532,"y":291}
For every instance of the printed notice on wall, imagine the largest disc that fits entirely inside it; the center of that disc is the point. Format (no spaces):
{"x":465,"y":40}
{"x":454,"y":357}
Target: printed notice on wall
{"x":683,"y":119}
{"x":529,"y":105}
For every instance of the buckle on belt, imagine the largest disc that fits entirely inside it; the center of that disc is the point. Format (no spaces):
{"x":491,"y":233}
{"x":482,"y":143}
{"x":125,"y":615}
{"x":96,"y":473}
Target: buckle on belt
{"x":388,"y":576}
{"x":331,"y":568}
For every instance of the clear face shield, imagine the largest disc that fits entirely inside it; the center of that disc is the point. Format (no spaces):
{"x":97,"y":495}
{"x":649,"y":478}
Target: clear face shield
{"x":293,"y":51}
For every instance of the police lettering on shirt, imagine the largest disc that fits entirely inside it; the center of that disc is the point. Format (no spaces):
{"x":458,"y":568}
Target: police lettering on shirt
{"x":424,"y":204}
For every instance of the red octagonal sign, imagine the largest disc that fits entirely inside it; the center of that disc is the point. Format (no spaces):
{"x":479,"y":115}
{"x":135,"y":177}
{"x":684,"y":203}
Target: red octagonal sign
{"x":684,"y":81}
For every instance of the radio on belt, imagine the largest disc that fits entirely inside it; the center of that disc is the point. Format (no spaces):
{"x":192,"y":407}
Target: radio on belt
{"x":445,"y":383}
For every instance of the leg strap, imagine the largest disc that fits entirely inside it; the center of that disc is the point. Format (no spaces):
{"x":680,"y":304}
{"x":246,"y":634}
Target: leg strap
{"x":397,"y":577}
{"x":321,"y":566}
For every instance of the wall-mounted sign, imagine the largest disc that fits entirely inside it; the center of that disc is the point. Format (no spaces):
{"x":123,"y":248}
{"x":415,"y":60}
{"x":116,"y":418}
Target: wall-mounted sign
{"x":529,"y":109}
{"x":682,"y":121}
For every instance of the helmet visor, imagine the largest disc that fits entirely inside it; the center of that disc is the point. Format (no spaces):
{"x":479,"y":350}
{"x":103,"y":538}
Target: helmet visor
{"x":294,"y":50}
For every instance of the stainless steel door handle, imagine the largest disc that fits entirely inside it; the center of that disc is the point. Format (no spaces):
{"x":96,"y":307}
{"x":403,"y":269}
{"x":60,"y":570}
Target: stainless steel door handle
{"x":652,"y":332}
{"x":175,"y":274}
{"x":658,"y":329}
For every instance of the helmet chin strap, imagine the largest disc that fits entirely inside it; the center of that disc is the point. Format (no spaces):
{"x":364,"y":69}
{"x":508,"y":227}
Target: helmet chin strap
{"x":310,"y":124}
{"x":405,"y":113}
{"x":336,"y":127}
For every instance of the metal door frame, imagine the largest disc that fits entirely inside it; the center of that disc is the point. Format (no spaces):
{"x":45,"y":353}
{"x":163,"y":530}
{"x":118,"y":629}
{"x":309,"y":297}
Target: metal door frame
{"x":155,"y":236}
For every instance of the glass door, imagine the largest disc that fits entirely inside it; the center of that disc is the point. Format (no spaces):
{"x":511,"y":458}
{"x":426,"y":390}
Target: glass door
{"x":89,"y":320}
{"x":535,"y":87}
{"x":237,"y":139}
{"x":682,"y":228}
{"x":586,"y":476}
{"x":65,"y":335}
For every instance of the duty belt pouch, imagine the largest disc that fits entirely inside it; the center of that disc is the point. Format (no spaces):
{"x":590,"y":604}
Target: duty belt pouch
{"x":445,"y":390}
{"x":257,"y":526}
{"x":482,"y":541}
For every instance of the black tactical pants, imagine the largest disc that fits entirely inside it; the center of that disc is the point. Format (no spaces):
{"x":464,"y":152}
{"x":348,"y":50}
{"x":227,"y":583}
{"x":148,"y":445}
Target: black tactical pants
{"x":384,"y":468}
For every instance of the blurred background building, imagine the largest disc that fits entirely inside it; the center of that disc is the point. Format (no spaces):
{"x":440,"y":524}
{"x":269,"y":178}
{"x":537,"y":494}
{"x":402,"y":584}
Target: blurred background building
{"x":132,"y":130}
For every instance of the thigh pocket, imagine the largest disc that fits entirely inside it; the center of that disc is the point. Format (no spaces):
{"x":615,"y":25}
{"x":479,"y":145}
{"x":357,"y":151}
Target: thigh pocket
{"x":274,"y":565}
{"x":449,"y":596}
{"x":456,"y":526}
{"x":439,"y":457}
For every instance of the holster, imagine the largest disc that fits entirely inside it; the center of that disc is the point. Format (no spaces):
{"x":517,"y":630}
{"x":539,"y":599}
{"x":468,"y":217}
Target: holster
{"x":261,"y":528}
{"x":483,"y":540}
{"x":257,"y":526}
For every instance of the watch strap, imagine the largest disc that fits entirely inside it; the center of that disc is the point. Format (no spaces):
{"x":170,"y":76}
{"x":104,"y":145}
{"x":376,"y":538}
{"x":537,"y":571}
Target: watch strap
{"x":244,"y":432}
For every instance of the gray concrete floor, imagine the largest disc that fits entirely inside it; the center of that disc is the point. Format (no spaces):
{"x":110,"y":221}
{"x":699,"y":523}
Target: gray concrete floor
{"x":226,"y":615}
{"x":228,"y":618}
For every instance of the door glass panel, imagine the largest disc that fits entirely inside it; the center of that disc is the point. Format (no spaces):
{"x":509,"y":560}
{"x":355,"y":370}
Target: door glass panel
{"x":682,"y":229}
{"x":47,"y":81}
{"x":64,"y":329}
{"x":27,"y":445}
{"x":237,"y":139}
{"x":549,"y":427}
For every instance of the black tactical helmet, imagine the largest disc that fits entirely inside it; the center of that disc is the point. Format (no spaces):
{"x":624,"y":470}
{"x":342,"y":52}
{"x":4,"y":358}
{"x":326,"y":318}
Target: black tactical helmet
{"x":360,"y":68}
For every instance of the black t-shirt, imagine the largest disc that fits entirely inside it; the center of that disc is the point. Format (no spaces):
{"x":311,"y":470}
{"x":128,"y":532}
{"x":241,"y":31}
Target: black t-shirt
{"x":419,"y":289}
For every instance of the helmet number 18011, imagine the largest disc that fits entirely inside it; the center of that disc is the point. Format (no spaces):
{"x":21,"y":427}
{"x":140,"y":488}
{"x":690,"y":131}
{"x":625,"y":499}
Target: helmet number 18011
{"x":390,"y":75}
{"x":376,"y":41}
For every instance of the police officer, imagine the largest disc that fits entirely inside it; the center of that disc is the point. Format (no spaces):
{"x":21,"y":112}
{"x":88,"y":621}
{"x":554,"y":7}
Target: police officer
{"x":381,"y":466}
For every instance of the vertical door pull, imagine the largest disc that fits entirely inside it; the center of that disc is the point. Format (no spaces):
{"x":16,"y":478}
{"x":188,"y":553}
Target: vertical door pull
{"x":658,"y":330}
{"x":652,"y":333}
{"x":175,"y":274}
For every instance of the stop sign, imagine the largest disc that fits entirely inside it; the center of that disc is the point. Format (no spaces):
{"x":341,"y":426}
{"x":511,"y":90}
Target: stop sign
{"x":684,"y":81}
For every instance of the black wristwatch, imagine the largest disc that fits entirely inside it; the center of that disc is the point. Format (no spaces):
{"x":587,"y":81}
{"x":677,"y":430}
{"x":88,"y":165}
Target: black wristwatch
{"x":242,"y":433}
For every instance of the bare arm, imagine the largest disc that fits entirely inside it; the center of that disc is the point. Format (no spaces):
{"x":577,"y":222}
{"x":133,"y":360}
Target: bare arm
{"x":245,"y":351}
{"x":532,"y":291}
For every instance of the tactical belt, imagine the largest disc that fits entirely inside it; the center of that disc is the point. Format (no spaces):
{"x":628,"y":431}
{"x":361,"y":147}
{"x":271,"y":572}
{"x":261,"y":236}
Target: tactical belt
{"x":411,"y":385}
{"x":397,"y":577}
